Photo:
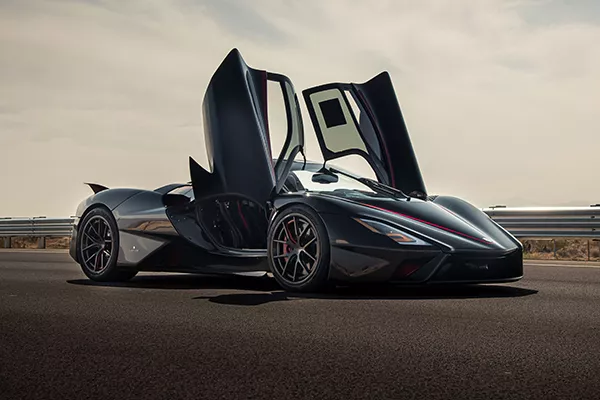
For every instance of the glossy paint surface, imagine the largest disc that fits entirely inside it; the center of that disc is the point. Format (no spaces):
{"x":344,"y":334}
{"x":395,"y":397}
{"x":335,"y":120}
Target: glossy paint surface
{"x":236,"y":129}
{"x":168,"y":230}
{"x":360,"y":254}
{"x":454,"y":230}
{"x":237,"y":137}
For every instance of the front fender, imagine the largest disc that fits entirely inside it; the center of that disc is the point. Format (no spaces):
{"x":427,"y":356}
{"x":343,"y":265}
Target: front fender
{"x":478,"y":218}
{"x":318,"y":202}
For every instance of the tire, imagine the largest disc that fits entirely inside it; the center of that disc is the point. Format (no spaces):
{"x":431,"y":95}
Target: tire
{"x":310,"y":259}
{"x":98,"y":248}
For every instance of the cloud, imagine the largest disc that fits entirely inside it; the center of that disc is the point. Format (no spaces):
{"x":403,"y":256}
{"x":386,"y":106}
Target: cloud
{"x":500,"y":105}
{"x":244,"y":19}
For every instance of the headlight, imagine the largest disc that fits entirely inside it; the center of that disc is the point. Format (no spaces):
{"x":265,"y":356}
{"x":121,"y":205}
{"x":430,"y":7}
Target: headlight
{"x":395,"y":234}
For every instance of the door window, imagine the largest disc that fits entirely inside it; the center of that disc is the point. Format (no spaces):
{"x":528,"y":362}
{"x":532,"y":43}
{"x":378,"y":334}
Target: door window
{"x":343,"y":126}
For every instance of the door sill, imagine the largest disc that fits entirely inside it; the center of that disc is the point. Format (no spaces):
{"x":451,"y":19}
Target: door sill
{"x":242,"y":252}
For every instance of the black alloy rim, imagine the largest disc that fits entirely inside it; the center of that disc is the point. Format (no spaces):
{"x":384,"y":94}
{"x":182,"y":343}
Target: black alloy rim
{"x":96,"y":244}
{"x":295,"y":248}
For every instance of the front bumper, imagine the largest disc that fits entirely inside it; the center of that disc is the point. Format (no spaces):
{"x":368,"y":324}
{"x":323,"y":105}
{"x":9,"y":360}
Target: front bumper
{"x":361,"y":256}
{"x":473,"y":268}
{"x":357,"y":265}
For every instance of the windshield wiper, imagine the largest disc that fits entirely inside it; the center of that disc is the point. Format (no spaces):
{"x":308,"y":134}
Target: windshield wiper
{"x":374,"y":185}
{"x":384,"y":188}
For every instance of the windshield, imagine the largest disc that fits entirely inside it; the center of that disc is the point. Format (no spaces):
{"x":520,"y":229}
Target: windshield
{"x":345,"y":187}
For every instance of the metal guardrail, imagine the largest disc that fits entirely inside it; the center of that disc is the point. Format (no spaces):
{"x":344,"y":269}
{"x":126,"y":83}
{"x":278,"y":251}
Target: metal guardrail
{"x":548,"y":222}
{"x":40,"y":227}
{"x":523,"y":222}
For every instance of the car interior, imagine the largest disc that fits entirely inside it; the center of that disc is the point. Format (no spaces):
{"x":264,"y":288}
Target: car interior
{"x":234,"y":221}
{"x":237,"y":222}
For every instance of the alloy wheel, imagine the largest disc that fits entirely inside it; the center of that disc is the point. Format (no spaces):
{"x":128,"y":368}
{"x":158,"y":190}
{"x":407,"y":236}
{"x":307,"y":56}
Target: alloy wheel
{"x":96,"y":244}
{"x":296,"y":248}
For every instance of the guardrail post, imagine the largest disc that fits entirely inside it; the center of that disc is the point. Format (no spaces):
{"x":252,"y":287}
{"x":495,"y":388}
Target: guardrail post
{"x":554,"y":247}
{"x":7,"y":242}
{"x":588,"y":249}
{"x":41,"y":242}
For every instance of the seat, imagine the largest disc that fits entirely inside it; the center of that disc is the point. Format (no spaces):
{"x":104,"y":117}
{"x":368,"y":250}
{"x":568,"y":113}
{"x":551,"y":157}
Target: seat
{"x":234,"y":222}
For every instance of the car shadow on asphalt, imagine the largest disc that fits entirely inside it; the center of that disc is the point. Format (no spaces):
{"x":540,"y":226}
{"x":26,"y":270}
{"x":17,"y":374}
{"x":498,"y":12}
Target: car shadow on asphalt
{"x":269,"y":291}
{"x":376,"y":292}
{"x":188,"y":282}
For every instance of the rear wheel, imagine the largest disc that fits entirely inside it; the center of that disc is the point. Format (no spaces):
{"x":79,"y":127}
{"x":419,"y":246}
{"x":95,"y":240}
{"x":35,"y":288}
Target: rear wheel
{"x":298,"y":250}
{"x":98,"y":248}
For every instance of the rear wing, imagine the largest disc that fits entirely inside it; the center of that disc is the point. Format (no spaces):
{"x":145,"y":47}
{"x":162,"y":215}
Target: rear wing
{"x":96,"y":187}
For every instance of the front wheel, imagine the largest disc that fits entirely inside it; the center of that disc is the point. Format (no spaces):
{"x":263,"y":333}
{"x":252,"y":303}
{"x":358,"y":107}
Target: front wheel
{"x":298,"y":249}
{"x":98,"y":248}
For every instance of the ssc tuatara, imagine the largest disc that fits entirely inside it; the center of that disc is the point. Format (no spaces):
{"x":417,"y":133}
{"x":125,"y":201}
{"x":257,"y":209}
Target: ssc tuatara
{"x":308,"y":223}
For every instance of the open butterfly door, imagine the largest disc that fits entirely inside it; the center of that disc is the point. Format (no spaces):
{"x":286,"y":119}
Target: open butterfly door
{"x":232,"y":198}
{"x":366,"y":120}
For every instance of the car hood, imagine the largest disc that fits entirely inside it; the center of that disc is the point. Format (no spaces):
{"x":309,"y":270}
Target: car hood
{"x":451,"y":229}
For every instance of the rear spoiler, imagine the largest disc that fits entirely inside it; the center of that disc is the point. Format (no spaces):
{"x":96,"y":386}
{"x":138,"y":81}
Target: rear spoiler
{"x":96,"y":187}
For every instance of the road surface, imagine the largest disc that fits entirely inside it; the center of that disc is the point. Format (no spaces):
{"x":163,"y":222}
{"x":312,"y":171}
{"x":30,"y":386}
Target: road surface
{"x":170,"y":337}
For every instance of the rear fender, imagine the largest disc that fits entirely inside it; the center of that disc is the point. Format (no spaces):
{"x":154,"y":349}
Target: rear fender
{"x":110,"y":198}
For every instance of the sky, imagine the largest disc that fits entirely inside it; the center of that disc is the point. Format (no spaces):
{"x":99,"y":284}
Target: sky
{"x":501,"y":97}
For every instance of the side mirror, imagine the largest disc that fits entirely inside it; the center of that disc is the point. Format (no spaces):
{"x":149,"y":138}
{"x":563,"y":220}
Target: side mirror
{"x":325,"y":176}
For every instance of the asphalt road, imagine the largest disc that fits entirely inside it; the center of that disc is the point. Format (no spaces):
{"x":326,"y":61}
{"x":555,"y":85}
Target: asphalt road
{"x":180,"y":336}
